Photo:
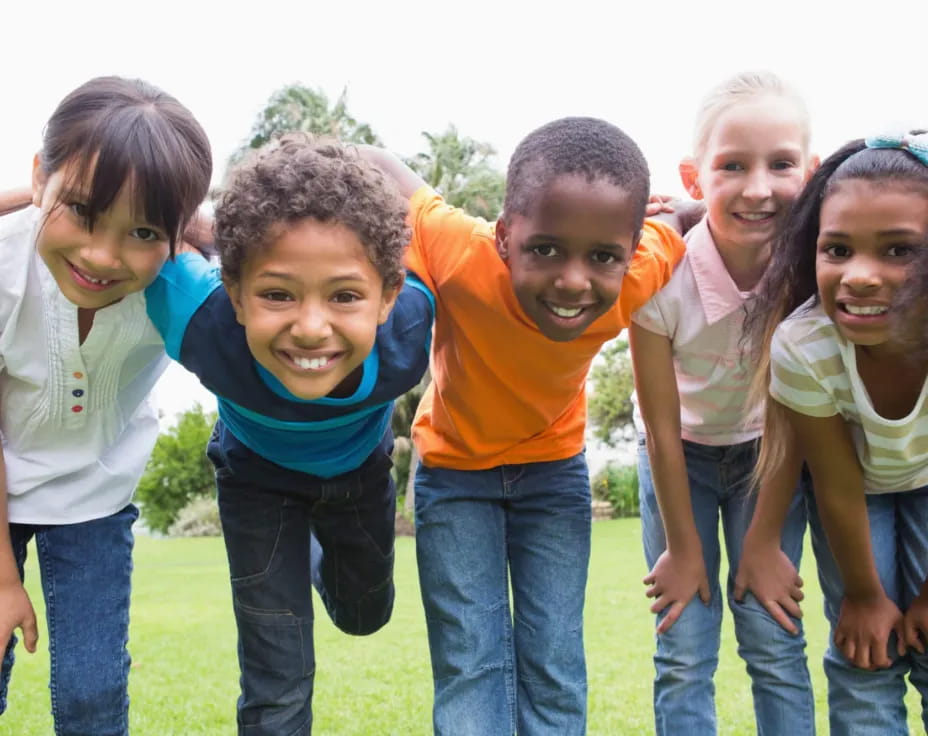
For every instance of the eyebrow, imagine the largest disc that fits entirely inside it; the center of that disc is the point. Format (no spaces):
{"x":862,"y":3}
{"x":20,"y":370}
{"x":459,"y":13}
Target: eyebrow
{"x":892,"y":232}
{"x":351,"y":276}
{"x":542,"y":236}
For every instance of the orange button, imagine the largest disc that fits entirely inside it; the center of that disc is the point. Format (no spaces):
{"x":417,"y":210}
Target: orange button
{"x":78,"y":374}
{"x":77,"y":408}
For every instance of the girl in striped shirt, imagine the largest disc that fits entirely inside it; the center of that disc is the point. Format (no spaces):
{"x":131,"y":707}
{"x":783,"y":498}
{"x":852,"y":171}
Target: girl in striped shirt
{"x":850,"y":395}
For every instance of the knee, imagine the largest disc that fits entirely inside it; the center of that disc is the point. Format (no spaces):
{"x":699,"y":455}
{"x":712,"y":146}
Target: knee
{"x":92,"y":706}
{"x":368,"y":614}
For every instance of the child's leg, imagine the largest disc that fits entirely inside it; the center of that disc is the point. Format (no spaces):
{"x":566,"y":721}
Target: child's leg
{"x":912,"y":518}
{"x":776,"y":660}
{"x":687,"y":655}
{"x":86,"y":578}
{"x":352,"y":562}
{"x":862,"y":702}
{"x":267,"y":542}
{"x":20,"y":534}
{"x":548,"y":534}
{"x":461,"y":551}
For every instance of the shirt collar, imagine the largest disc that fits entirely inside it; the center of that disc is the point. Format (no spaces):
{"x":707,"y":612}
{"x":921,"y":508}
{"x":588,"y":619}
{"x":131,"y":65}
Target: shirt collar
{"x":717,"y":291}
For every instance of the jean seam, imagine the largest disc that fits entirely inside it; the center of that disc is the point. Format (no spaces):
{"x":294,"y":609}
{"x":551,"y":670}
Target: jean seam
{"x":247,"y":579}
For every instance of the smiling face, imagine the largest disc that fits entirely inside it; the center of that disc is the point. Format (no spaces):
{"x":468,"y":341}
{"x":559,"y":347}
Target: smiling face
{"x":568,"y":256}
{"x":310,"y":302}
{"x":753,"y":166}
{"x":121,"y":255}
{"x":869,"y":234}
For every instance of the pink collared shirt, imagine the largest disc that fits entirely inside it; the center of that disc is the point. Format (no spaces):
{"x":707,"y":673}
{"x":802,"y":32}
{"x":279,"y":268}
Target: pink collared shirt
{"x":702,"y":311}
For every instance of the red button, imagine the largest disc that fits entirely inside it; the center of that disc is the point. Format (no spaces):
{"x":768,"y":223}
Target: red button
{"x":77,"y":409}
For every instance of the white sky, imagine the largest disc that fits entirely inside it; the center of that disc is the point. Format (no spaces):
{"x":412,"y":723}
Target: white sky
{"x":495,"y":69}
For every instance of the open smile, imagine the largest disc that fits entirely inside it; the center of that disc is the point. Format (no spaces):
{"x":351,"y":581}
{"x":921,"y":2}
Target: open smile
{"x":755,"y":217}
{"x":310,"y":363}
{"x":568,"y":314}
{"x":88,"y":281}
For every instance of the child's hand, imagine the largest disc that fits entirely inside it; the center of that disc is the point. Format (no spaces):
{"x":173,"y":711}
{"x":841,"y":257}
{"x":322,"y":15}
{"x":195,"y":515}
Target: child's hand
{"x":673,"y":581}
{"x":770,"y":575}
{"x":863,"y":630}
{"x":658,"y":204}
{"x":916,"y":624}
{"x":16,"y":612}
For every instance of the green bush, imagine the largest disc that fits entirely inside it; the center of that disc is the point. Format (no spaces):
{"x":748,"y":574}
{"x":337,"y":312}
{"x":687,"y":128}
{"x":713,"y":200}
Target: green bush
{"x":618,"y":484}
{"x":402,"y":455}
{"x":199,"y":518}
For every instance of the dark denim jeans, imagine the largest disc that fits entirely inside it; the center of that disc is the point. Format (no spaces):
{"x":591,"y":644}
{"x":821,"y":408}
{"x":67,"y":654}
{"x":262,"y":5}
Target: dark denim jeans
{"x":498,"y":671}
{"x":688,"y":655}
{"x":284,"y":532}
{"x":86,"y":571}
{"x":864,"y":702}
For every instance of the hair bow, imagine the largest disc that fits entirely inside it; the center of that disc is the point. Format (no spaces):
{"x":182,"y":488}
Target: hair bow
{"x":914,"y":143}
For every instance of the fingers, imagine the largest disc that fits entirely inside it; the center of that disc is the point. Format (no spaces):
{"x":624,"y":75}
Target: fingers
{"x":30,"y":632}
{"x":650,"y":209}
{"x":705,"y":594}
{"x":670,"y":619}
{"x":780,"y":616}
{"x":899,"y":631}
{"x":913,"y":636}
{"x":739,"y":590}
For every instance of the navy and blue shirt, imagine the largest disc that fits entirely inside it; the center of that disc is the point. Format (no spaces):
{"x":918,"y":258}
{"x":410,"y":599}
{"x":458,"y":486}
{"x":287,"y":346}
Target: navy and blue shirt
{"x":324,"y":437}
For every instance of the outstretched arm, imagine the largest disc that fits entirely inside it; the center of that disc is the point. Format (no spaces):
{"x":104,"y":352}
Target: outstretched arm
{"x":679,"y":572}
{"x":867,"y":616}
{"x":406,"y":179}
{"x":15,"y":199}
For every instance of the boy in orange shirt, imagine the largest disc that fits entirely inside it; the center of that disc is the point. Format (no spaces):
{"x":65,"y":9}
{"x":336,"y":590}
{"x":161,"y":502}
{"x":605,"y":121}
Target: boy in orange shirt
{"x":502,"y":490}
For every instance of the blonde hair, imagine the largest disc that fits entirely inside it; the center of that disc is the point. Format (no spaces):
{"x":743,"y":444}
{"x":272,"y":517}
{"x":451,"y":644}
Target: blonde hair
{"x":738,"y":89}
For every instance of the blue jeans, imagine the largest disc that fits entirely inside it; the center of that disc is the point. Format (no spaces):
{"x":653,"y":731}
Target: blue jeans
{"x":687,"y":655}
{"x":861,"y":702}
{"x":495,"y":670}
{"x":287,"y":531}
{"x":86,"y":572}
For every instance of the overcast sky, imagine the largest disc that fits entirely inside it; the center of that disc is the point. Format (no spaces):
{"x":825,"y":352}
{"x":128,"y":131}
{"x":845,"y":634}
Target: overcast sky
{"x":495,"y":69}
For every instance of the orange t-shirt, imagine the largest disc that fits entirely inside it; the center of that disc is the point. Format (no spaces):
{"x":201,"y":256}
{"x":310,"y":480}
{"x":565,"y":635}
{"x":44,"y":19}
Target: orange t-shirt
{"x":502,"y":393}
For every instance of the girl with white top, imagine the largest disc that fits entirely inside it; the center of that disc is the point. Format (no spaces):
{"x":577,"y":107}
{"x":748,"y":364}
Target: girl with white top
{"x":123,"y":167}
{"x":699,"y":431}
{"x":851,"y":392}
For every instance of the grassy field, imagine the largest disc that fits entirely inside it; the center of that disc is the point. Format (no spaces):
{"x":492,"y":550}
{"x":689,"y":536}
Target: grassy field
{"x":184,"y":677}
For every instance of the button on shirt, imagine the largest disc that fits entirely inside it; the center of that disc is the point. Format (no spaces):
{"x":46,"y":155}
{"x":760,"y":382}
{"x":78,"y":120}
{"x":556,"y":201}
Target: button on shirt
{"x":702,"y":311}
{"x":75,"y":420}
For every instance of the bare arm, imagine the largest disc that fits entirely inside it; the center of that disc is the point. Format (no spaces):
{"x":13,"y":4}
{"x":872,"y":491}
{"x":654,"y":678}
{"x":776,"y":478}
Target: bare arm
{"x":867,"y":615}
{"x":15,"y":199}
{"x":15,"y":608}
{"x":679,"y":573}
{"x":406,"y":179}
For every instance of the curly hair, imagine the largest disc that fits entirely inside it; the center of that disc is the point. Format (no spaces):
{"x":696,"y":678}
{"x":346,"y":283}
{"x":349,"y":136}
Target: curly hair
{"x":296,"y":177}
{"x":584,"y":146}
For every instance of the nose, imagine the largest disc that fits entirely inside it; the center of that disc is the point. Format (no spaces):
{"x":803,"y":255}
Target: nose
{"x":861,"y":274}
{"x":103,"y":251}
{"x":311,"y":325}
{"x":757,"y":185}
{"x":573,"y":277}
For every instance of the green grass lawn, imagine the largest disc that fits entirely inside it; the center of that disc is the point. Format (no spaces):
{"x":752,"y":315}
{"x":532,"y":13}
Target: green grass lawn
{"x":184,"y":677}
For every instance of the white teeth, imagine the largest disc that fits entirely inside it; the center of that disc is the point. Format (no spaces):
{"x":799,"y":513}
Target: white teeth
{"x":311,"y":364}
{"x":564,"y":312}
{"x":92,"y":280}
{"x":754,"y":215}
{"x":865,"y":310}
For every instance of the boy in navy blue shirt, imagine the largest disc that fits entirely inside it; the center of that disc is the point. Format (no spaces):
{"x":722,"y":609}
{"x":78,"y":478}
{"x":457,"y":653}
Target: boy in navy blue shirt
{"x":314,"y":335}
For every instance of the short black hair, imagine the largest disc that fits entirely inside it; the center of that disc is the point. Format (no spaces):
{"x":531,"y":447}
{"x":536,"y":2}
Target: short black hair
{"x":299,"y":176}
{"x":584,"y":146}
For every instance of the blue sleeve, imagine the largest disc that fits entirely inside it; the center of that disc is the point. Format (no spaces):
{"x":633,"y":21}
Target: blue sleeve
{"x":176,"y":295}
{"x":416,"y":283}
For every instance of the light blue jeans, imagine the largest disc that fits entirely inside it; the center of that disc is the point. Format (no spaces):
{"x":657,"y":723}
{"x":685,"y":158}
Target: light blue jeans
{"x":497,"y":671}
{"x":861,"y":702}
{"x":687,"y":655}
{"x":86,"y":573}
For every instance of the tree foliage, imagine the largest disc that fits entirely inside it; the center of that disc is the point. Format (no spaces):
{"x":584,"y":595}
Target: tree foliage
{"x":610,"y":404}
{"x":462,"y":170}
{"x":297,"y":108}
{"x":178,"y":470}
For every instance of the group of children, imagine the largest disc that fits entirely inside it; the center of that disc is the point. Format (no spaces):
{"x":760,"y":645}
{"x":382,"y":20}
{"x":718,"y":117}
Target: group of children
{"x":780,"y":381}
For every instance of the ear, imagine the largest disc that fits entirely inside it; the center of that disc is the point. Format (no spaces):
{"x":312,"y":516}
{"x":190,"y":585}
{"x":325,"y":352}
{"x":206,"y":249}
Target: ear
{"x":814,"y":163}
{"x":39,"y":180}
{"x":234,"y":290}
{"x":387,"y":301}
{"x":502,"y":240}
{"x":689,"y":175}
